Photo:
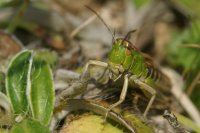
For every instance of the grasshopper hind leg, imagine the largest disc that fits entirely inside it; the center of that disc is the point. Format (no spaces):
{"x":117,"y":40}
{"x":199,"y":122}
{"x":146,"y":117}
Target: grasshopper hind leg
{"x":149,"y":89}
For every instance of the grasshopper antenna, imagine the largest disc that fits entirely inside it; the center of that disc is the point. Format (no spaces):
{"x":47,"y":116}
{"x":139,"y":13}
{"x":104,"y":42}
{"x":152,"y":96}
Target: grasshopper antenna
{"x":127,"y":37}
{"x":113,"y":36}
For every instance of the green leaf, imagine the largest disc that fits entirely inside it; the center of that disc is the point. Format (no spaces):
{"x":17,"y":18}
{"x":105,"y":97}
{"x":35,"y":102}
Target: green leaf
{"x":186,"y":57}
{"x":188,"y":123}
{"x":50,"y":57}
{"x":190,"y":5}
{"x":17,"y":81}
{"x":87,"y":123}
{"x":2,"y":130}
{"x":41,"y":94}
{"x":4,"y":102}
{"x":139,"y":125}
{"x":140,"y":3}
{"x":29,"y":126}
{"x":10,"y":3}
{"x":2,"y":82}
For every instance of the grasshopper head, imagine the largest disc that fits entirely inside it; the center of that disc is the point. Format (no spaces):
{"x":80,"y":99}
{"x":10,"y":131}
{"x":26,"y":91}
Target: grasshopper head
{"x":120,"y":56}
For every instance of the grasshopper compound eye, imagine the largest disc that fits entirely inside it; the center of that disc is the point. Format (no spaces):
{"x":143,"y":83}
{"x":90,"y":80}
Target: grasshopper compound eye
{"x":125,"y":43}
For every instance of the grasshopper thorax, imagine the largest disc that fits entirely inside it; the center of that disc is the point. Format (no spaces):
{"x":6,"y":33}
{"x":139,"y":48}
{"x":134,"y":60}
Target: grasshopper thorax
{"x":120,"y":57}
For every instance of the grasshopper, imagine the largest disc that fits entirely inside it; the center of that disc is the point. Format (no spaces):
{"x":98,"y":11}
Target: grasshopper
{"x":127,"y":62}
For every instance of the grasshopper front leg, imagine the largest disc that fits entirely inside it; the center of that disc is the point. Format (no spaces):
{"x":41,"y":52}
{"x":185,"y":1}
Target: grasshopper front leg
{"x":92,"y":62}
{"x":150,"y":90}
{"x":122,"y":95}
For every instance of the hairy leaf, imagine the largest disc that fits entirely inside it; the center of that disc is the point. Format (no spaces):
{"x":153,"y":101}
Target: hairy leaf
{"x":41,"y":93}
{"x":17,"y":81}
{"x":29,"y":126}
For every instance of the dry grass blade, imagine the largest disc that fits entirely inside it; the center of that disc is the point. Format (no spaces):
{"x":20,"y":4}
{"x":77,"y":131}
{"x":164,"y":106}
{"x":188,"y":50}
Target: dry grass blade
{"x":193,"y":84}
{"x":84,"y":24}
{"x":191,"y":45}
{"x":177,"y":91}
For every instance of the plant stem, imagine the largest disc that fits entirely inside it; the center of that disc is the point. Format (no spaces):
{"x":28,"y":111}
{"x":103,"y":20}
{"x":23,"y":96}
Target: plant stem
{"x":16,"y":20}
{"x":193,"y":84}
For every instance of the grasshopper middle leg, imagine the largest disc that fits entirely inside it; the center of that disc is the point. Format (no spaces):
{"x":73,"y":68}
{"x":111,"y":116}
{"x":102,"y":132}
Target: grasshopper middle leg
{"x":122,"y":95}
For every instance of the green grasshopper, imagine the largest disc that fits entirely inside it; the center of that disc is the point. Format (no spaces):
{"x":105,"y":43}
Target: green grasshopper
{"x":127,"y":62}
